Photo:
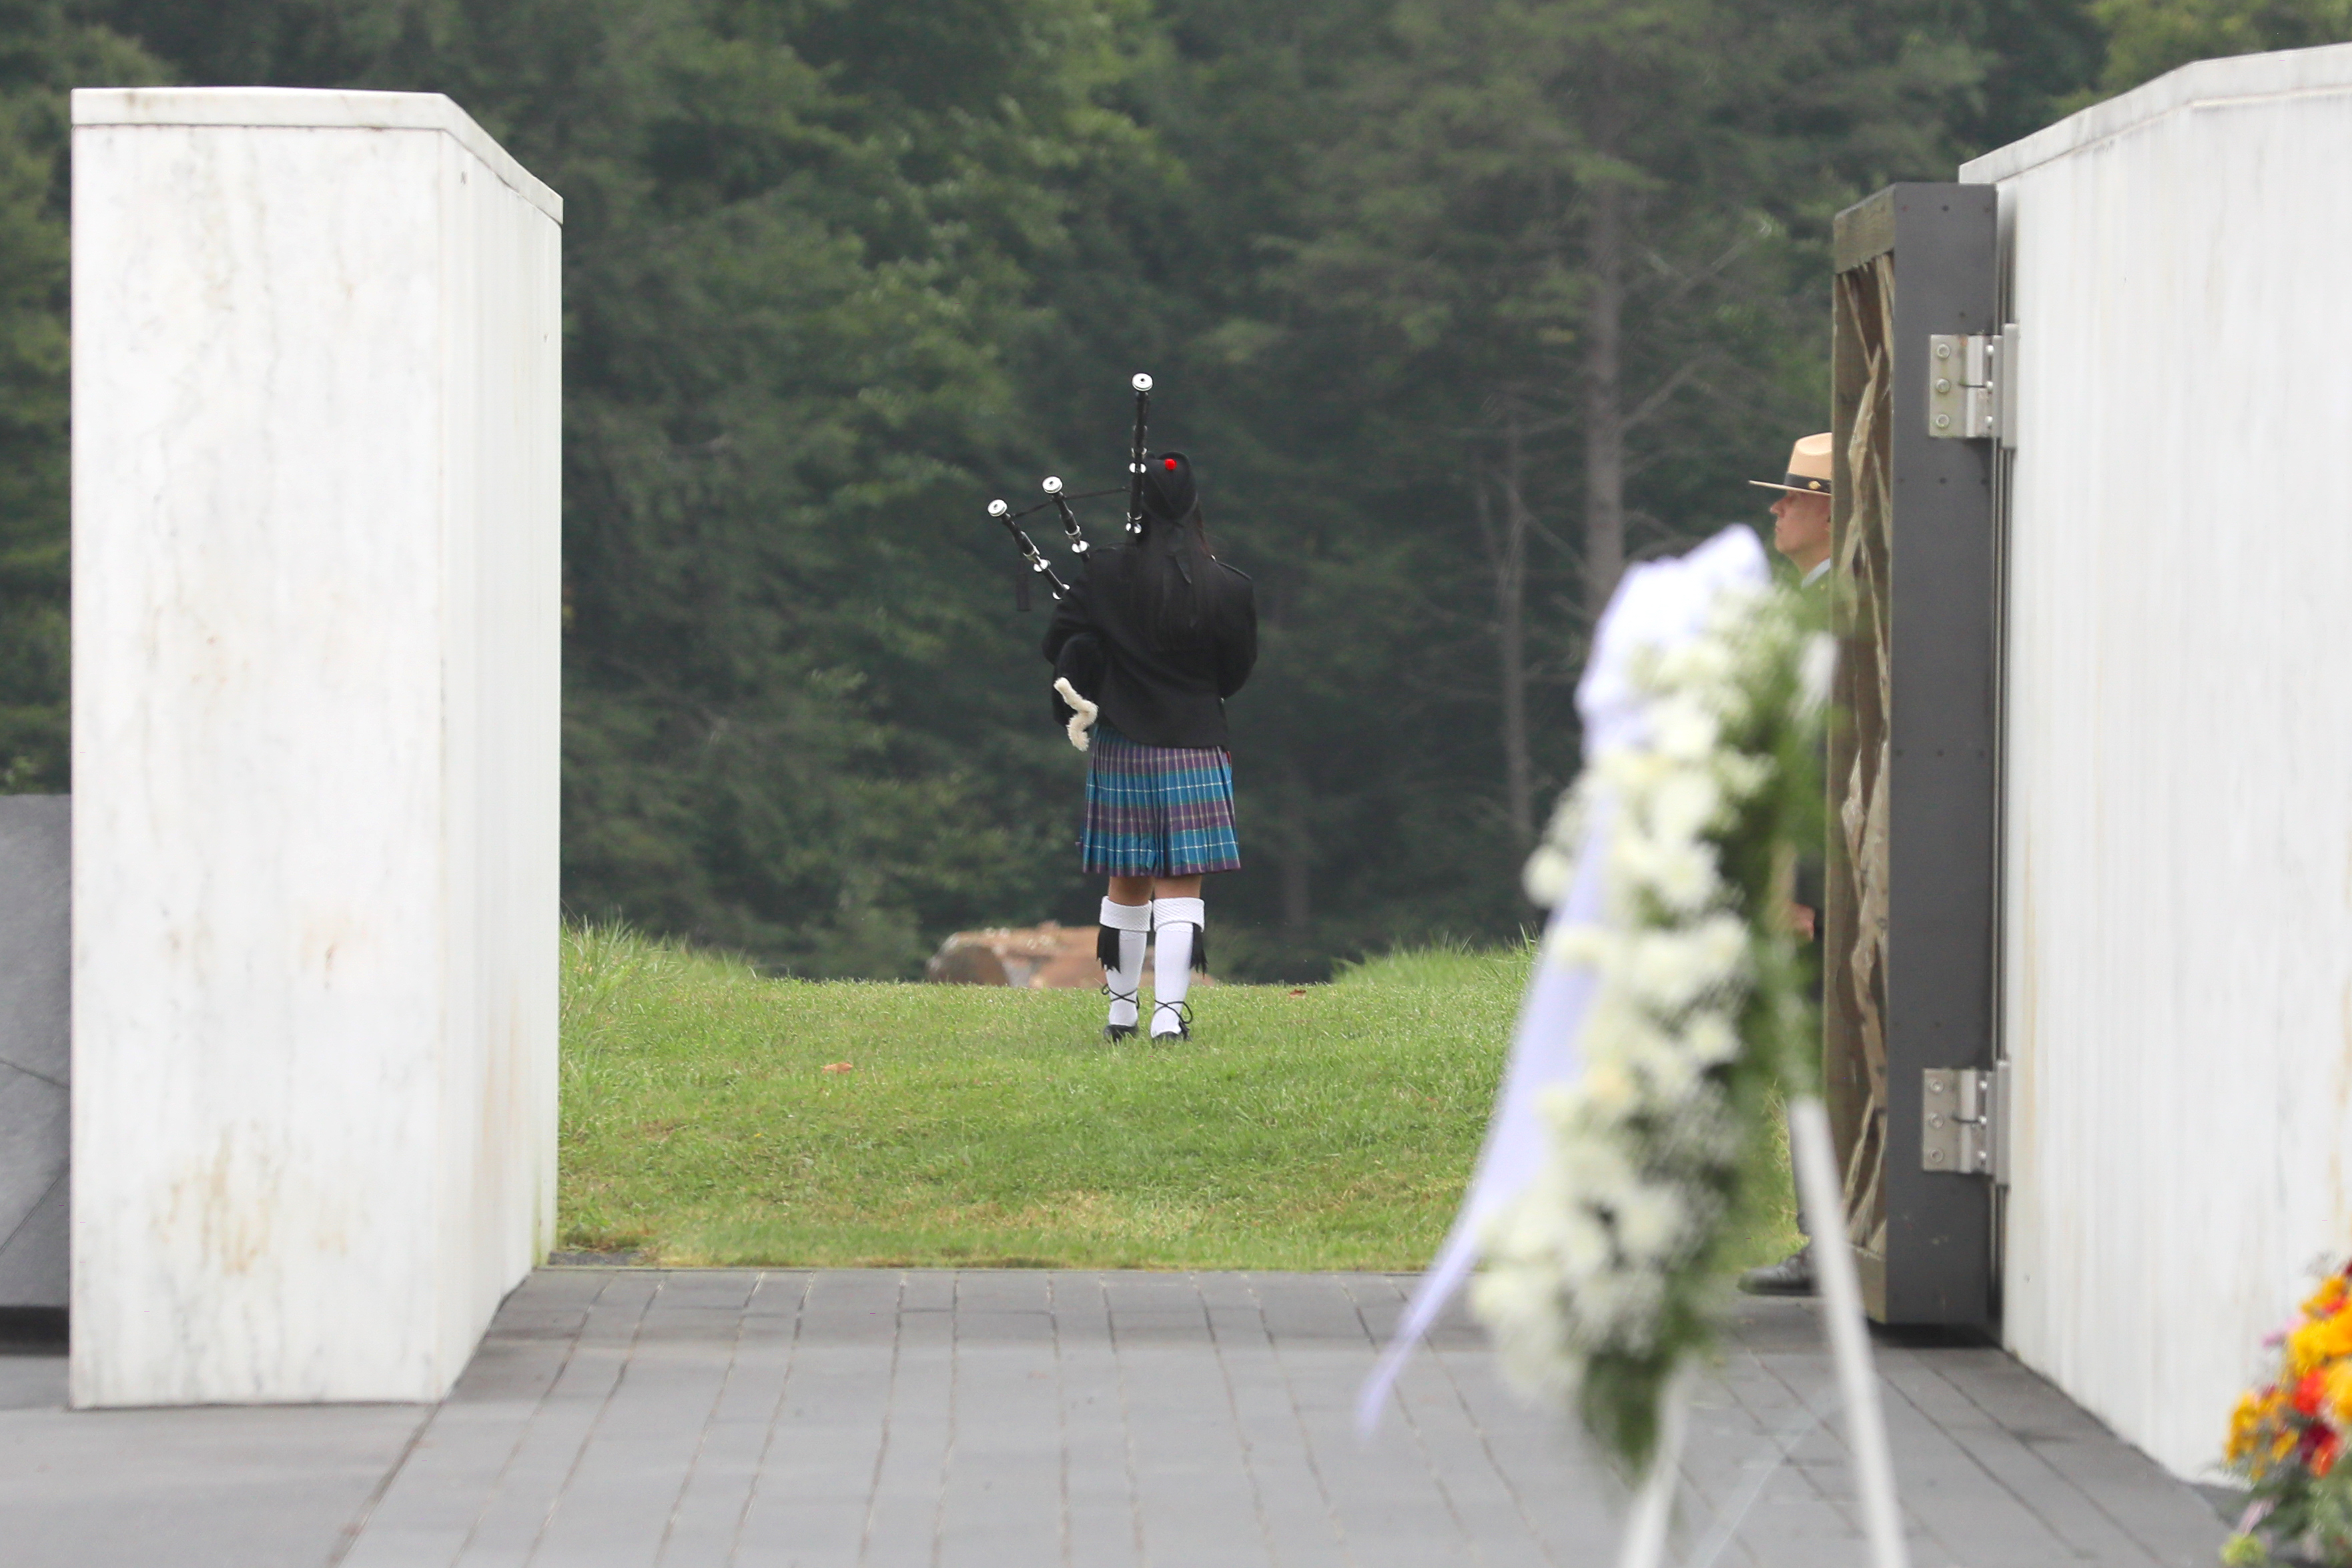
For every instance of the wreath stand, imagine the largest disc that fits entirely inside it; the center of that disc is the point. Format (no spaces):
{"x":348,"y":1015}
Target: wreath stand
{"x":1810,"y":1153}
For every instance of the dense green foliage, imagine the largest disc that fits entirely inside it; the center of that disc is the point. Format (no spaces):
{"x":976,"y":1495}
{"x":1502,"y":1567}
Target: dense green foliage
{"x":1455,"y":302}
{"x":2147,"y":37}
{"x":43,"y":54}
{"x":1314,"y":1127}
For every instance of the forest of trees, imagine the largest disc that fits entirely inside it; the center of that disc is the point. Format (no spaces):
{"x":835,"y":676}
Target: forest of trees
{"x":1457,"y":304}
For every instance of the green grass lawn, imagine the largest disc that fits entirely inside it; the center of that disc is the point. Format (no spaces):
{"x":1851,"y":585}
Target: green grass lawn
{"x":1317,"y":1127}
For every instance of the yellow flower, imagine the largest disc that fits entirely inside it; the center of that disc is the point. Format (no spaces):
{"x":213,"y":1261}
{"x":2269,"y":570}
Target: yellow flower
{"x":2324,"y":1299}
{"x":2314,"y":1344}
{"x":2261,"y":1432}
{"x":2335,"y":1401}
{"x":2244,"y":1422}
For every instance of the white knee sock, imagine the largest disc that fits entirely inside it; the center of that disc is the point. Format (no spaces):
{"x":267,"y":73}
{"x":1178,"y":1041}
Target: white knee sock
{"x":1175,"y":922}
{"x":1131,"y":926}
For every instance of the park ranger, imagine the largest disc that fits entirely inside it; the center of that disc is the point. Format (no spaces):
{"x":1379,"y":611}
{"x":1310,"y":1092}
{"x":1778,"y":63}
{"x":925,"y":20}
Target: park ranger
{"x":1801,"y":532}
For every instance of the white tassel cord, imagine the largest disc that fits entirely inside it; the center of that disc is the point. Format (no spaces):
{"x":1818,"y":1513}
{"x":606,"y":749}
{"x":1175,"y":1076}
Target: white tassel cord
{"x":1083,"y":714}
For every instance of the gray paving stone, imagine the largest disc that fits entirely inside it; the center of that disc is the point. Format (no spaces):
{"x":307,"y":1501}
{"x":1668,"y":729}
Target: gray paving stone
{"x":193,"y":1489}
{"x":442,"y":1489}
{"x":1134,"y":1325}
{"x":1102,"y":1535}
{"x":983,"y":1325}
{"x":800,"y":1532}
{"x":1320,"y":1308}
{"x":1005,"y":1290}
{"x":618,"y":1505}
{"x":780,"y":1294}
{"x":728,"y":1288}
{"x":928,"y":1290}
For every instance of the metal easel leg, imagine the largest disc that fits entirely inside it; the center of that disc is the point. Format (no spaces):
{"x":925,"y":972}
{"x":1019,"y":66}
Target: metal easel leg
{"x":1842,"y":1316}
{"x":1654,"y":1505}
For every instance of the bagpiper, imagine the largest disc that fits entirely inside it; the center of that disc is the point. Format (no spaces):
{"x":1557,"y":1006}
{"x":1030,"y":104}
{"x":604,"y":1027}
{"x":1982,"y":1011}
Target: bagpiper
{"x":1146,"y":644}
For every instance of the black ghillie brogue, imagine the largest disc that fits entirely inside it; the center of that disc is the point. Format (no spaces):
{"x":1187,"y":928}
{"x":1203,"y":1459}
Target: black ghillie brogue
{"x":1117,"y":1032}
{"x":1183,"y":1014}
{"x":1793,"y":1275}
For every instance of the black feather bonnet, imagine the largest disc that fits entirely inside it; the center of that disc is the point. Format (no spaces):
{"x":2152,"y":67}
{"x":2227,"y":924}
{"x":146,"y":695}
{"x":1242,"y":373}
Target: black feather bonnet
{"x":1169,"y":493}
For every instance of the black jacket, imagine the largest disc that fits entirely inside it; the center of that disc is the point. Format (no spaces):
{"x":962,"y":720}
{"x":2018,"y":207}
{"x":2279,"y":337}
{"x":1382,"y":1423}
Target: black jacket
{"x":1160,"y":697}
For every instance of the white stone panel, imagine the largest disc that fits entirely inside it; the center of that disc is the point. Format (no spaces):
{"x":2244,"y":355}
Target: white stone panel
{"x":2177,"y":952}
{"x":316,"y":585}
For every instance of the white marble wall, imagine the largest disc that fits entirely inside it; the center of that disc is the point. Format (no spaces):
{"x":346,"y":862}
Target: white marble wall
{"x":316,"y":582}
{"x":2178,"y":879}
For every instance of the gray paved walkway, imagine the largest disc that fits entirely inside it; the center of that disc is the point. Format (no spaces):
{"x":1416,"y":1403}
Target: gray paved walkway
{"x":634,"y":1417}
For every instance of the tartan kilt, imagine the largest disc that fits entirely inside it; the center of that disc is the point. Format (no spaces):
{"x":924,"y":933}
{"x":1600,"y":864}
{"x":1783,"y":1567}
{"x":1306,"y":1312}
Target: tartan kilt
{"x":1157,"y":811}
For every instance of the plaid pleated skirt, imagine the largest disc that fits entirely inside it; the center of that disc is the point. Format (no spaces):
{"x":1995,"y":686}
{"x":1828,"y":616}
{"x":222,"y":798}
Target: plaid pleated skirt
{"x":1157,"y":811}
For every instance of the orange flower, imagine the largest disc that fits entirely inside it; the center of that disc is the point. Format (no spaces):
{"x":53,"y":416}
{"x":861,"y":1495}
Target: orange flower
{"x":2322,"y":1452}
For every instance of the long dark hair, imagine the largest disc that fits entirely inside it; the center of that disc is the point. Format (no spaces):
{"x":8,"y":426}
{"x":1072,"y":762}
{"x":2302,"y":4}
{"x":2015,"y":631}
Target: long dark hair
{"x":1171,"y":579}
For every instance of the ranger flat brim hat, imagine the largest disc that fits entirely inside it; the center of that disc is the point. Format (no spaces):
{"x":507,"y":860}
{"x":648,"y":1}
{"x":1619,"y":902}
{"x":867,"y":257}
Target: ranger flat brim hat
{"x":1810,"y":466}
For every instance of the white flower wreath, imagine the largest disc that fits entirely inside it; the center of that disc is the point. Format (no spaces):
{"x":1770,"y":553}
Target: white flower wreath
{"x":1606,"y":1271}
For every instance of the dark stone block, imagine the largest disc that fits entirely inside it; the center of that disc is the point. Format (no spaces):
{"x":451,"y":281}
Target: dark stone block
{"x":35,"y":1046}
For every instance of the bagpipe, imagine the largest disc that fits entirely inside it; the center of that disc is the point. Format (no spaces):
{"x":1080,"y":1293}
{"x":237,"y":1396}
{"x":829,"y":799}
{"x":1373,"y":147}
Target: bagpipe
{"x":1077,"y":671}
{"x":1058,"y":497}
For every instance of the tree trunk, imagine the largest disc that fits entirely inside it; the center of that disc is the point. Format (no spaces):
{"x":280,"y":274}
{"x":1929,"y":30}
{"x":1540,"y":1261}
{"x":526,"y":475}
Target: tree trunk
{"x":1604,"y":406}
{"x":1506,"y":552}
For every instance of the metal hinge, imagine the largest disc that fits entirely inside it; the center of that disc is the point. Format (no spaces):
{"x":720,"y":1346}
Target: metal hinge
{"x":1963,"y":1121}
{"x":1971,"y":390}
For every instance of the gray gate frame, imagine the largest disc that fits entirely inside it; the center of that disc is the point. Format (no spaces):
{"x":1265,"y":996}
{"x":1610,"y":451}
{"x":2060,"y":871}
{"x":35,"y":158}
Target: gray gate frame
{"x":1942,"y":874}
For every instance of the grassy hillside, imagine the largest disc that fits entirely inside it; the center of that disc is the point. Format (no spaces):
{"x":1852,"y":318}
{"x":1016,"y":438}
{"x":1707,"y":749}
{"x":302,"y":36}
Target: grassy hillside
{"x":1317,"y":1127}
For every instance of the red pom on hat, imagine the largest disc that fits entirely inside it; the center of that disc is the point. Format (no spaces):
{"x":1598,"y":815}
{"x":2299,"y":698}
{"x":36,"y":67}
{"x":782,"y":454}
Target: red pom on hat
{"x":1168,"y":462}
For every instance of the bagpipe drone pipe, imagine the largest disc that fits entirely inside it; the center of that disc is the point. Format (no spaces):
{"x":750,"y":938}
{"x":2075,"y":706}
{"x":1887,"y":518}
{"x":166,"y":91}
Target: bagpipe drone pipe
{"x":1078,"y":668}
